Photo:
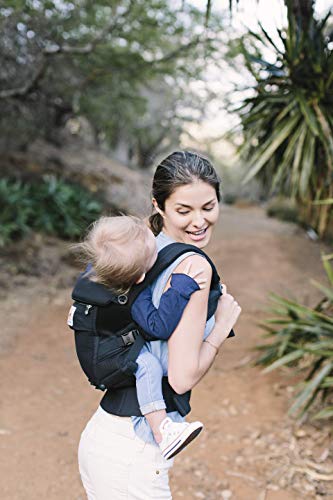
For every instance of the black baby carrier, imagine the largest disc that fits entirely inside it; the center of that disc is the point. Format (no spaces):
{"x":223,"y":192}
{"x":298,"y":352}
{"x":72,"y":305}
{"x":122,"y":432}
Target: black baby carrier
{"x":108,"y":341}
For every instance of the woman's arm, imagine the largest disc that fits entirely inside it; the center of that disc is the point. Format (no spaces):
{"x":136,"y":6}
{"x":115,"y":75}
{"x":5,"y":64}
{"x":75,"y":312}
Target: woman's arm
{"x":190,"y":357}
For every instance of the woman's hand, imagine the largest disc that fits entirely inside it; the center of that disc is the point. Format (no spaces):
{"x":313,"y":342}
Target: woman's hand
{"x":226,"y":316}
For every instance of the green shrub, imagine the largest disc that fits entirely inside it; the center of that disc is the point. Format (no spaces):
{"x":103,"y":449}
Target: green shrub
{"x":15,"y":210}
{"x":302,"y":337}
{"x":283,"y":209}
{"x":229,"y":198}
{"x":49,"y":205}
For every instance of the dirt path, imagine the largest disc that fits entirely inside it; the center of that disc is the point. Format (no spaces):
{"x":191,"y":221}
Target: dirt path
{"x":249,"y":450}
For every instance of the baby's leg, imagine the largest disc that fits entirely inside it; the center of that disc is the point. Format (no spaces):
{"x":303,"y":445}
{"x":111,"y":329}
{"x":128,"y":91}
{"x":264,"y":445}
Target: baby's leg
{"x":171,"y":436}
{"x":149,"y":390}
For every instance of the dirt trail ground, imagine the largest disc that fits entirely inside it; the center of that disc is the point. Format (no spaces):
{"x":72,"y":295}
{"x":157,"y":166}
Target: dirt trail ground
{"x":250,"y":449}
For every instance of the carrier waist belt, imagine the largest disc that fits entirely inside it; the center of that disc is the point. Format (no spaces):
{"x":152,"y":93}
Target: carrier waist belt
{"x":124,"y":402}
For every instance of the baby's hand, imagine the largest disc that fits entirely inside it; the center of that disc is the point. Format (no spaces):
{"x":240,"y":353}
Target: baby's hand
{"x":193,"y":274}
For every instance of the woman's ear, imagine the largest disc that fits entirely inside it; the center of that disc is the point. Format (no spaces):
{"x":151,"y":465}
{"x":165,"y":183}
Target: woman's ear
{"x":140,"y":280}
{"x":157,"y":208}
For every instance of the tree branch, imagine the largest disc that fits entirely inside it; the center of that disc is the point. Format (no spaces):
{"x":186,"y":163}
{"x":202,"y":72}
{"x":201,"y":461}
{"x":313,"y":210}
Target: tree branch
{"x":183,"y":48}
{"x":25,"y":89}
{"x":62,"y":49}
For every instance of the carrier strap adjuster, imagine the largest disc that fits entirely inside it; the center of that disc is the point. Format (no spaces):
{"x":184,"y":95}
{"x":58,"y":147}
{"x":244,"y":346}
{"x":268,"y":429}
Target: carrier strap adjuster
{"x":129,"y":337}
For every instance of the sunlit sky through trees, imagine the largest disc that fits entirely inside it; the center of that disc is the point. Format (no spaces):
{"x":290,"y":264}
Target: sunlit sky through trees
{"x":246,"y":15}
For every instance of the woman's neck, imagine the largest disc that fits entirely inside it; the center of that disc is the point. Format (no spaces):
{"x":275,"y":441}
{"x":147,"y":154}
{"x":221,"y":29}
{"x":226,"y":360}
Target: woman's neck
{"x":165,"y":235}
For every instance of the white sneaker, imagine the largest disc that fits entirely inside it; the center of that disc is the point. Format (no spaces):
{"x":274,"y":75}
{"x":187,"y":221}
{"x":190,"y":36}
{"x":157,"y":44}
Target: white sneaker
{"x":177,"y":435}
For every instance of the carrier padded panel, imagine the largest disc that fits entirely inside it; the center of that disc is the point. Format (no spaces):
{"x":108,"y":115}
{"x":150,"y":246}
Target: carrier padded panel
{"x":90,"y":292}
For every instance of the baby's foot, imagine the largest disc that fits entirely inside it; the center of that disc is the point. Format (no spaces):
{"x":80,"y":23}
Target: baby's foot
{"x":177,"y":435}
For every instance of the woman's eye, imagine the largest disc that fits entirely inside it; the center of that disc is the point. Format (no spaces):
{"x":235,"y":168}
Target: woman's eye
{"x":184,"y":213}
{"x":208,"y":209}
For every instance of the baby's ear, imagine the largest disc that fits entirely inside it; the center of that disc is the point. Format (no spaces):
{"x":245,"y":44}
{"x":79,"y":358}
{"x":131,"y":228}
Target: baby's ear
{"x":140,"y":280}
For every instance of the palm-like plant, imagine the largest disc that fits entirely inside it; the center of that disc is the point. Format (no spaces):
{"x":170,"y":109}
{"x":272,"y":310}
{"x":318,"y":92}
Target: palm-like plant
{"x":288,"y":127}
{"x":288,"y":123}
{"x":303,"y":337}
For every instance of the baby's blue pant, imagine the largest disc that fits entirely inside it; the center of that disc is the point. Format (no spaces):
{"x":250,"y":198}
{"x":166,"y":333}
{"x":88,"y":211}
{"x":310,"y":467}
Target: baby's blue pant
{"x":149,"y":380}
{"x":152,"y":368}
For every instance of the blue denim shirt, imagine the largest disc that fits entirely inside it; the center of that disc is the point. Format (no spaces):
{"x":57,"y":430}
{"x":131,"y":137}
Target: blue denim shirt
{"x":160,"y":347}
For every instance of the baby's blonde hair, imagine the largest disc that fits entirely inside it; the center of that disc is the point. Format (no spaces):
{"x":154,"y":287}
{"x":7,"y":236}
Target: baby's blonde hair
{"x":117,"y":249}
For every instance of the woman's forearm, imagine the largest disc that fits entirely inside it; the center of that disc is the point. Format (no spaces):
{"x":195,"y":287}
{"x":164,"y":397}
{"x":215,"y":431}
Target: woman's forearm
{"x":206,"y":355}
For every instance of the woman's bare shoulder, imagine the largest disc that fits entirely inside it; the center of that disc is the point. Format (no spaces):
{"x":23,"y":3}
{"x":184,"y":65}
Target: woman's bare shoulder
{"x":197,"y":262}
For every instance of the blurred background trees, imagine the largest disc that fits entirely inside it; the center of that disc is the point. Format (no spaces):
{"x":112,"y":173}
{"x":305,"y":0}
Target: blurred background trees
{"x":111,"y":62}
{"x":116,"y":75}
{"x":132,"y":75}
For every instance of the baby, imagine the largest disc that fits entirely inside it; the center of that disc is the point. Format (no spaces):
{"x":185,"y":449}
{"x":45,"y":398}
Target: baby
{"x":121,"y":250}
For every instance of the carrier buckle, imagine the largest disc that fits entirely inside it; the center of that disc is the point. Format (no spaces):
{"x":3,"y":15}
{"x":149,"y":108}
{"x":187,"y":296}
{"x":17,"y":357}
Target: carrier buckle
{"x":129,"y":338}
{"x":122,"y":299}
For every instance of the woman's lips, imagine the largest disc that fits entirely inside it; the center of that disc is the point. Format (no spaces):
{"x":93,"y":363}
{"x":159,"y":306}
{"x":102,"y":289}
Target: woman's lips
{"x":197,"y":235}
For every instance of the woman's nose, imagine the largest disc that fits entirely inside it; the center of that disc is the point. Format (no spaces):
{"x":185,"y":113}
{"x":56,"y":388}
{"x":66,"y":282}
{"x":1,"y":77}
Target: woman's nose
{"x":198,"y":220}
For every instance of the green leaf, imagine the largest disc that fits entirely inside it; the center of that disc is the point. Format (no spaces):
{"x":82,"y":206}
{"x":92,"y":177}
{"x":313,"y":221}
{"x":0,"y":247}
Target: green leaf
{"x":287,"y":160}
{"x":308,"y":113}
{"x":270,"y":40}
{"x":326,"y":130}
{"x":307,"y":166}
{"x":328,"y":267}
{"x":327,"y":383}
{"x":288,"y":358}
{"x":328,"y":201}
{"x":285,"y":111}
{"x":327,"y":291}
{"x":283,"y":346}
{"x":310,"y":388}
{"x":267,"y":150}
{"x":323,"y":414}
{"x":297,"y":159}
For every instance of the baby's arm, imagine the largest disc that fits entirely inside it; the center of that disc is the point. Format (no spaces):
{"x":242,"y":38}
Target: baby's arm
{"x":162,"y":321}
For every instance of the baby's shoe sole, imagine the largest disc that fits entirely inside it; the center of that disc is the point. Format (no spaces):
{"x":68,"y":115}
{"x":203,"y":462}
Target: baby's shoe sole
{"x":183,"y":440}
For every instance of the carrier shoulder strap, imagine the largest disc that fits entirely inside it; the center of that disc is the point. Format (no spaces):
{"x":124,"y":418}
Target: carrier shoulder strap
{"x":90,"y":292}
{"x":166,"y":257}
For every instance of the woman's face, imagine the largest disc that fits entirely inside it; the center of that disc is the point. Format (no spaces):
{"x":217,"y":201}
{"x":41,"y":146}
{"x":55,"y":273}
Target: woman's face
{"x":190,"y":213}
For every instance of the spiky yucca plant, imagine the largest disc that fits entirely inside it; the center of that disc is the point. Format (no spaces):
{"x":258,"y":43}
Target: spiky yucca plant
{"x":303,"y":337}
{"x":288,"y":123}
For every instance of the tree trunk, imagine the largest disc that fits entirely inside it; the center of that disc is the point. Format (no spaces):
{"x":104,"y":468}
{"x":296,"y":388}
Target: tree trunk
{"x":302,"y":10}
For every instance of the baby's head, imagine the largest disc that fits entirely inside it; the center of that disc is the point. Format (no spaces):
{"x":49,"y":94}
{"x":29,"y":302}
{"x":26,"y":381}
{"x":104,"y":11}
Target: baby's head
{"x":121,"y":250}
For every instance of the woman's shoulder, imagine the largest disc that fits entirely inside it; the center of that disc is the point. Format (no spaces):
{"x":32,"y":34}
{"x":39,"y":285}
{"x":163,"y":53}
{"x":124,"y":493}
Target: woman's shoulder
{"x":197,"y":262}
{"x":161,"y":281}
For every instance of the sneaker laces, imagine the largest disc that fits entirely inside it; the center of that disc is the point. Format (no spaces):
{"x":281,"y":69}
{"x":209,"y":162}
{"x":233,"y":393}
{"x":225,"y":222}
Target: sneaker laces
{"x":165,"y":424}
{"x":173,"y":428}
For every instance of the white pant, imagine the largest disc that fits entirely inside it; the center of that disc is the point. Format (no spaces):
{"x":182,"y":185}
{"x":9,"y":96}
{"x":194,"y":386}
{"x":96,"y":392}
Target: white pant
{"x":115,"y":464}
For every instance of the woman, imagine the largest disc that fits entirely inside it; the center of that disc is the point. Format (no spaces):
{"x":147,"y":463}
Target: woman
{"x":117,"y":456}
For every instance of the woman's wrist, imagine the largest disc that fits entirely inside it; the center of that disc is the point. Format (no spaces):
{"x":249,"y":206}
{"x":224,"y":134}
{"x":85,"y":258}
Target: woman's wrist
{"x":211,"y":344}
{"x":219,"y":334}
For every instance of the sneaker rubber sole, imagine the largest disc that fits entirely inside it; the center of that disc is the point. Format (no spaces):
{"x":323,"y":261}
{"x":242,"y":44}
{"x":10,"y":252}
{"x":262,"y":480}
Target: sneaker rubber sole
{"x":182,"y":441}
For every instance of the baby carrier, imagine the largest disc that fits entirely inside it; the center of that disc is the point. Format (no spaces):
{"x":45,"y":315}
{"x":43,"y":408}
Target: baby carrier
{"x":108,"y":341}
